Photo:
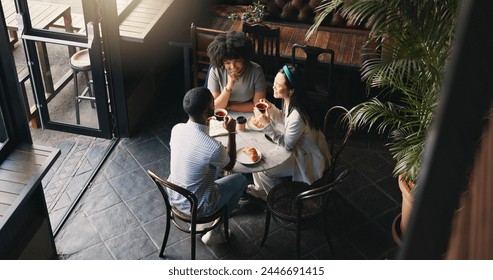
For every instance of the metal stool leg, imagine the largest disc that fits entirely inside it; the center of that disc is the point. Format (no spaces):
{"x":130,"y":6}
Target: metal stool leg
{"x":76,"y":92}
{"x":89,"y":89}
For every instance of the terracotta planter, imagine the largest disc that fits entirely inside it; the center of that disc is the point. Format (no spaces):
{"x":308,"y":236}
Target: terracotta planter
{"x":402,"y":219}
{"x":407,"y":201}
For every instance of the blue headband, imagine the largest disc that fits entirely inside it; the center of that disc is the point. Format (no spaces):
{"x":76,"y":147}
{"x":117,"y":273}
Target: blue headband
{"x":288,"y":75}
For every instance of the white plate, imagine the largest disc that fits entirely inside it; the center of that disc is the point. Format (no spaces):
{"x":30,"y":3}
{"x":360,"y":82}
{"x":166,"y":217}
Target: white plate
{"x":252,"y":126}
{"x":241,"y":157}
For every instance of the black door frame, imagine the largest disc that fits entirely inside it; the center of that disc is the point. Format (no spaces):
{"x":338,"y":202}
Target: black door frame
{"x":98,"y":13}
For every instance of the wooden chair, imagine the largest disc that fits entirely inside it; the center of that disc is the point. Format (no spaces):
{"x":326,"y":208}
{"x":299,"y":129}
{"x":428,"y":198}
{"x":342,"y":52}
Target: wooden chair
{"x":294,"y":205}
{"x":188,"y":223}
{"x":201,"y":38}
{"x":266,"y":43}
{"x":297,"y":205}
{"x":317,"y":74}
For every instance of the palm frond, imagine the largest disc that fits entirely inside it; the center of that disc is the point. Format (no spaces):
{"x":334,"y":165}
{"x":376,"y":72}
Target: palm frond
{"x":412,"y":40}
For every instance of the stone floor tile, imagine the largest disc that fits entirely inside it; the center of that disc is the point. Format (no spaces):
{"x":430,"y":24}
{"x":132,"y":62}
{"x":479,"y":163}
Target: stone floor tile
{"x":100,"y":197}
{"x":148,"y":151}
{"x":132,"y":184}
{"x":77,"y":236}
{"x":372,"y":201}
{"x":113,"y":221}
{"x":96,"y":252}
{"x":147,"y":206}
{"x":119,"y":162}
{"x":370,"y":240}
{"x":134,"y":244}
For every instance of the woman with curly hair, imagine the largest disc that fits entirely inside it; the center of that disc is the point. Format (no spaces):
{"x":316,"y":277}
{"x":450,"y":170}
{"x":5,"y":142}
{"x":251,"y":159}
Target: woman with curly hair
{"x":235,"y":82}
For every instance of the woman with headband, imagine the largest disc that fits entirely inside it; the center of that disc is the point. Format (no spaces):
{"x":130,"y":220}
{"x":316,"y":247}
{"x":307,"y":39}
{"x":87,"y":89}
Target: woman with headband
{"x":292,"y":128}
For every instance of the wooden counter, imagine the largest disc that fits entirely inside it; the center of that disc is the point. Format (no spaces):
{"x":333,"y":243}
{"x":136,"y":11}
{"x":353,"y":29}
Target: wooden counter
{"x":25,"y":230}
{"x":139,"y":17}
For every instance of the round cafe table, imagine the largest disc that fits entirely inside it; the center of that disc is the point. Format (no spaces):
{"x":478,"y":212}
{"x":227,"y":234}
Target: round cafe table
{"x":272,"y":154}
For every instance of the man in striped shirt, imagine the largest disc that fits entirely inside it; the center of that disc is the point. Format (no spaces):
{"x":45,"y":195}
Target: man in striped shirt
{"x":197,"y":160}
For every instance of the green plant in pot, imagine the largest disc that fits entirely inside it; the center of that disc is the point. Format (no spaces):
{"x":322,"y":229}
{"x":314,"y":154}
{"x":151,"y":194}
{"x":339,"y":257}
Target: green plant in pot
{"x":255,"y":13}
{"x":403,"y":73}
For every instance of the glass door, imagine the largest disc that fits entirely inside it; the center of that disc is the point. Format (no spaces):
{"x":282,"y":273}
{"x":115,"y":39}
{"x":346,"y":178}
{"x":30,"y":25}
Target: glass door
{"x":62,"y":42}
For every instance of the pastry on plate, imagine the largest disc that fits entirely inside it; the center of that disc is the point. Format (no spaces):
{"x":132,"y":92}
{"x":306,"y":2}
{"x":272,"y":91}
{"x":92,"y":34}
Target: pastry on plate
{"x":256,"y":122}
{"x":252,"y":153}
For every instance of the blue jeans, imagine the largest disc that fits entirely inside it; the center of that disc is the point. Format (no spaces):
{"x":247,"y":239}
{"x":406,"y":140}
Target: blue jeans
{"x":230,"y":189}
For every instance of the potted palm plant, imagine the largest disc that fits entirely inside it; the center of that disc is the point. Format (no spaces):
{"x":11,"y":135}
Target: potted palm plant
{"x":404,"y":72}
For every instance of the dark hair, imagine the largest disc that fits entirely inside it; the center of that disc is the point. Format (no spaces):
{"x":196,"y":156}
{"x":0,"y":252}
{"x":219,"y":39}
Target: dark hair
{"x":231,"y":45}
{"x":196,"y":101}
{"x":298,"y":97}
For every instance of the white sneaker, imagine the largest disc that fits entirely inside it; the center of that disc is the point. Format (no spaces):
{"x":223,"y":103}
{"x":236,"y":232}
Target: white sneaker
{"x":200,"y":227}
{"x":213,"y":237}
{"x":256,"y":192}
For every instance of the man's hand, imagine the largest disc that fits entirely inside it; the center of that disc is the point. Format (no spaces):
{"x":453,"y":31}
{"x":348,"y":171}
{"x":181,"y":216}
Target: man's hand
{"x":229,"y":124}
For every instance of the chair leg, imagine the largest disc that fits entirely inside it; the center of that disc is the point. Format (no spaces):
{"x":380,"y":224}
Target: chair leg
{"x":166,"y":235}
{"x":298,"y":239}
{"x":266,"y":227}
{"x":89,"y":90}
{"x":226,"y":225}
{"x":192,"y":236}
{"x":327,"y":233}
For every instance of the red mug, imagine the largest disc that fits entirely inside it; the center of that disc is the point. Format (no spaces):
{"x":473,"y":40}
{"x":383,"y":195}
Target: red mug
{"x":220,"y":114}
{"x":262,"y":106}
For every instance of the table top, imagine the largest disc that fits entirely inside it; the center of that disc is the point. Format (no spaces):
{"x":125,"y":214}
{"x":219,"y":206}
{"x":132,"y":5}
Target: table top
{"x":272,"y":154}
{"x":42,"y":14}
{"x":138,"y":18}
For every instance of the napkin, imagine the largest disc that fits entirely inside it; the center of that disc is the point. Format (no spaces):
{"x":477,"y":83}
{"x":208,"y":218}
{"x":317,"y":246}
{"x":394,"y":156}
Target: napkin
{"x":216,"y":128}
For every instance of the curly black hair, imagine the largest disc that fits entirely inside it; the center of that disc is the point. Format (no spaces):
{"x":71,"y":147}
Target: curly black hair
{"x":196,"y":101}
{"x":231,"y":45}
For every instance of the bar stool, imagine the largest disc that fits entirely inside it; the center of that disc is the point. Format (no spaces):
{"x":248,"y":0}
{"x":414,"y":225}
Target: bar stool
{"x":80,"y":62}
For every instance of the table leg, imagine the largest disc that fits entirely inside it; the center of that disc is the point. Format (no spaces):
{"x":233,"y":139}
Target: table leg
{"x":45,"y":67}
{"x":67,"y":21}
{"x":15,"y":39}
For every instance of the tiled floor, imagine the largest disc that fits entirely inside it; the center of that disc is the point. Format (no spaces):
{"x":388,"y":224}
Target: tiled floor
{"x":121,"y":216}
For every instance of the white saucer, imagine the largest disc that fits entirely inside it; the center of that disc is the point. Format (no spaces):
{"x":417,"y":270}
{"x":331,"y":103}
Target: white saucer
{"x":252,"y":126}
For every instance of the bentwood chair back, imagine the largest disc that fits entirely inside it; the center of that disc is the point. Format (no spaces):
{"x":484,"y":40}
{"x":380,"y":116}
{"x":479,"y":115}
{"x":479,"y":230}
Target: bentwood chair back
{"x":187,"y":222}
{"x":201,"y":38}
{"x":337,"y":131}
{"x":297,"y":206}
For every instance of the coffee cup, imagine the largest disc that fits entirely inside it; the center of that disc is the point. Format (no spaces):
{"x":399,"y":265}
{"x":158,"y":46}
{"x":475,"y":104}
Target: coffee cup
{"x":240,"y":123}
{"x":220,"y":114}
{"x":262,"y":106}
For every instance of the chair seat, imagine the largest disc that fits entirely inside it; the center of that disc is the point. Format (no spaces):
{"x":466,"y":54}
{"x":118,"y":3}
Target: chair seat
{"x":281,"y":198}
{"x":81,"y":61}
{"x":211,"y":221}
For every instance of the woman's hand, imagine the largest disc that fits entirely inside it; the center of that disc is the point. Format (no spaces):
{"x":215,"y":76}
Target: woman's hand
{"x":264,"y":119}
{"x":269,"y":104}
{"x":232,"y":79}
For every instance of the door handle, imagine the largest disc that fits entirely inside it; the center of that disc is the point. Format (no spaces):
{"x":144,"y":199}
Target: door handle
{"x":66,"y":42}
